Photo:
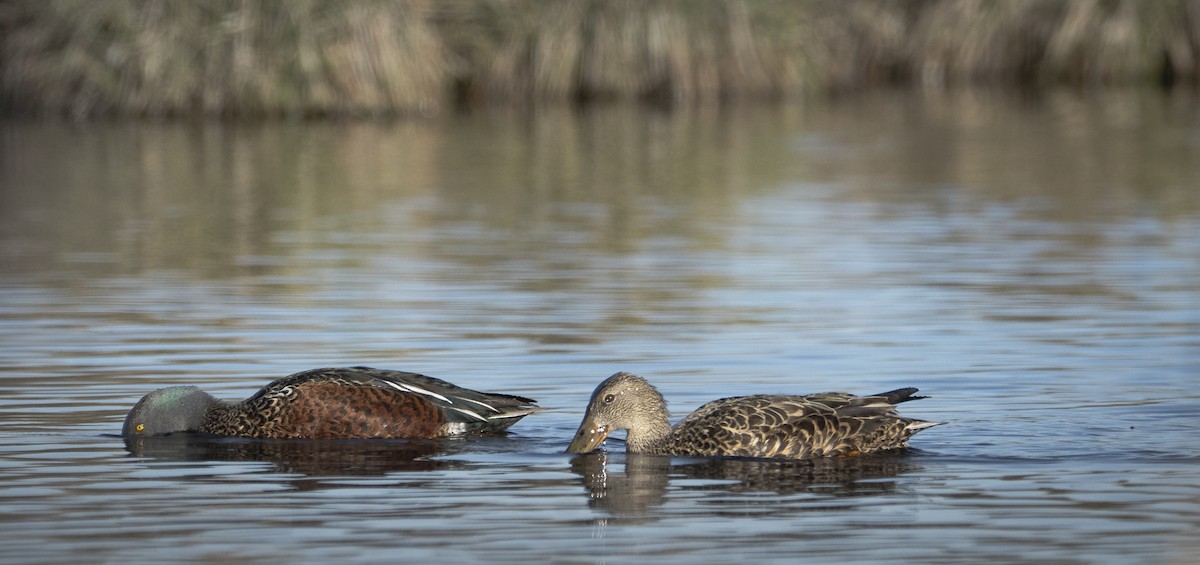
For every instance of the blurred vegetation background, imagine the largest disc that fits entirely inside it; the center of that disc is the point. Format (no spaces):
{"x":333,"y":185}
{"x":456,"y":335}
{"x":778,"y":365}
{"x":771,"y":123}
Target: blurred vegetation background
{"x":301,"y":58}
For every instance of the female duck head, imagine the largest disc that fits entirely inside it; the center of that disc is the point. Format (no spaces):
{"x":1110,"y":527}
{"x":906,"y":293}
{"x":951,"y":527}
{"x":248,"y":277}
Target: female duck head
{"x":623,"y":402}
{"x":168,"y":410}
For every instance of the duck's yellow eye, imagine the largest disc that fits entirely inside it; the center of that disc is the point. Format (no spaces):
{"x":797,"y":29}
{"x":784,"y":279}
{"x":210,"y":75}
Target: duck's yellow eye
{"x":139,"y":427}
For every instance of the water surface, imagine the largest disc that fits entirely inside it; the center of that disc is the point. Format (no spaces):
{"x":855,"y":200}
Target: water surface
{"x":1030,"y":262}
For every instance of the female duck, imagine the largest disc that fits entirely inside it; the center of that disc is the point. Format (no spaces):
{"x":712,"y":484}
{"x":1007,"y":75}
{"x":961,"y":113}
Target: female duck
{"x":832,"y":424}
{"x":356,"y":402}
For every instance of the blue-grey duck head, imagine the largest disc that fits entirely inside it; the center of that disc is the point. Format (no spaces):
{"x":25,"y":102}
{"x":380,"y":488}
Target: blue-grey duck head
{"x":168,"y":410}
{"x":623,"y":401}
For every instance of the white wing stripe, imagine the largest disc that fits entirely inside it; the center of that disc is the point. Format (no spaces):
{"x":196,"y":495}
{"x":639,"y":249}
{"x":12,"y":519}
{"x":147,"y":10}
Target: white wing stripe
{"x":488,"y":406}
{"x":418,"y":390}
{"x":469,"y":413}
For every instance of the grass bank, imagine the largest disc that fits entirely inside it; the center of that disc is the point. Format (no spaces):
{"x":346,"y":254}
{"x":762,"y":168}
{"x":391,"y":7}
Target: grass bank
{"x":88,"y":58}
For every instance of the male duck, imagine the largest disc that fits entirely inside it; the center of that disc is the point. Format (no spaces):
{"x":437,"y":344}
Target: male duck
{"x":356,"y":402}
{"x":830,"y":424}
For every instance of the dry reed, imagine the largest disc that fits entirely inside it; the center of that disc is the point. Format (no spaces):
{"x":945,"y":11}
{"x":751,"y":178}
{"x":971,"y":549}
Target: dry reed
{"x":371,"y":57}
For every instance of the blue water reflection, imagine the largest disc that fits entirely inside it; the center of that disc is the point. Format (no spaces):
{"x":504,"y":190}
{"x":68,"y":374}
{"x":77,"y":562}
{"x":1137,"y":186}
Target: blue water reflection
{"x":1031,"y":264}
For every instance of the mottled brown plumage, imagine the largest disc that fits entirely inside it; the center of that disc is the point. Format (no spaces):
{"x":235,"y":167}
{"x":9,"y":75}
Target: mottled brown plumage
{"x":831,"y":424}
{"x":356,"y":402}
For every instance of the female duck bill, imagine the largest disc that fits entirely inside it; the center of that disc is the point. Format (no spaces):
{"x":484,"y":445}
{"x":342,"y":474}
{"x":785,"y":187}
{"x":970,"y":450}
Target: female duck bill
{"x":589,"y":436}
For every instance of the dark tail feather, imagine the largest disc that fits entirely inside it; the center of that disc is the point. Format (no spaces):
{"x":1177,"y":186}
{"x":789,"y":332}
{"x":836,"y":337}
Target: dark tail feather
{"x":900,"y":395}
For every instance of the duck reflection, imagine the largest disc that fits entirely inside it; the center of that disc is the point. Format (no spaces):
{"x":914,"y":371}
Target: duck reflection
{"x":310,"y":458}
{"x":643,"y":482}
{"x":628,"y":493}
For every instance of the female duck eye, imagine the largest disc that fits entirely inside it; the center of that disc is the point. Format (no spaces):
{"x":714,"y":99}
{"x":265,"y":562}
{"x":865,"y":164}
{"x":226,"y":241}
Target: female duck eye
{"x":608,"y":398}
{"x":139,"y":427}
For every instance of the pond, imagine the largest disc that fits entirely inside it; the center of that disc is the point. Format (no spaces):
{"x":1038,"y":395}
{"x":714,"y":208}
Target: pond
{"x":1031,"y":262}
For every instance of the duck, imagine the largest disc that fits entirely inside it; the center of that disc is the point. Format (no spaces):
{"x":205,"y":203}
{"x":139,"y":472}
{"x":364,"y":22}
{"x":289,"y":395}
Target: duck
{"x":829,"y":424}
{"x":332,"y":403}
